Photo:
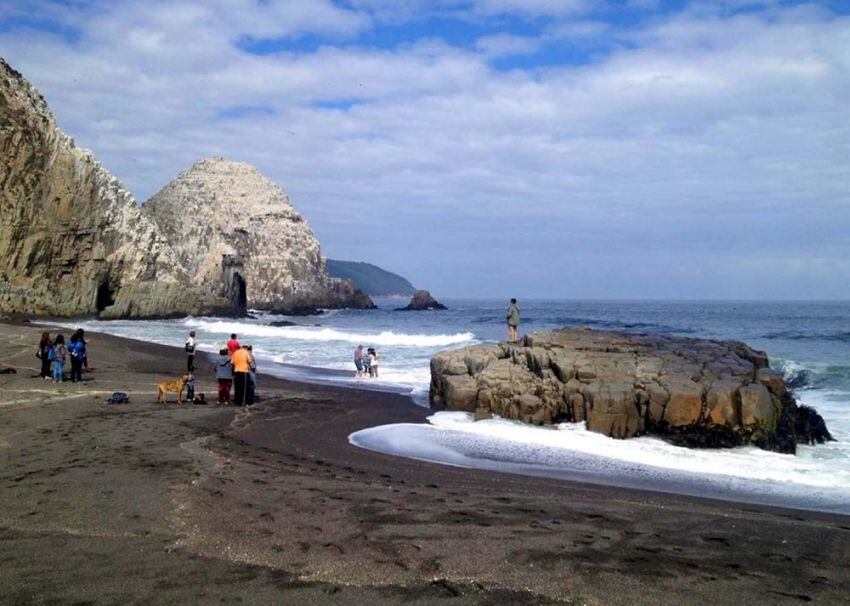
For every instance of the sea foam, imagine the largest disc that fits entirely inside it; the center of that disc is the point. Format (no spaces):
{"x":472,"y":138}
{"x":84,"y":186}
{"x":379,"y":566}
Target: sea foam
{"x":569,"y":451}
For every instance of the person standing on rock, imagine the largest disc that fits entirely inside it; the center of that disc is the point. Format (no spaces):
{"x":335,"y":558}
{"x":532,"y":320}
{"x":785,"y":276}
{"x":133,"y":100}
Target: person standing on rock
{"x":513,"y":321}
{"x":191,"y":343}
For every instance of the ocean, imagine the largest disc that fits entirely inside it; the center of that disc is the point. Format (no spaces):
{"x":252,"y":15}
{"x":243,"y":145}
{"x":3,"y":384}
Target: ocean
{"x":808,"y":341}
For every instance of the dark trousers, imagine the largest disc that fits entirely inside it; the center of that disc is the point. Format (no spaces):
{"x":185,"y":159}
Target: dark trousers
{"x":190,"y":363}
{"x":45,"y":366}
{"x":249,"y":391}
{"x":240,"y":387}
{"x":224,"y":390}
{"x":76,"y":369}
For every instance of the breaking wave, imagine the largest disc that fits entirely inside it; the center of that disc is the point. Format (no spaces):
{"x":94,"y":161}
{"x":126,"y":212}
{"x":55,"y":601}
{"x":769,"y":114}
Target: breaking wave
{"x":307,"y":333}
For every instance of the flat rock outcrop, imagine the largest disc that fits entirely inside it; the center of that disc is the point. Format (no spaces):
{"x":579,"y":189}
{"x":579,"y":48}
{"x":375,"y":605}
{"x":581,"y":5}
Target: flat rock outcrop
{"x":237,"y":233}
{"x":693,"y":392}
{"x":422,"y":301}
{"x":73,"y":241}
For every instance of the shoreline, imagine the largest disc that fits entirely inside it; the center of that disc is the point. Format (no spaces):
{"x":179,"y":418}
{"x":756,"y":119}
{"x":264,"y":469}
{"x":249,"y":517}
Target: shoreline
{"x":682,"y":484}
{"x":275,"y":501}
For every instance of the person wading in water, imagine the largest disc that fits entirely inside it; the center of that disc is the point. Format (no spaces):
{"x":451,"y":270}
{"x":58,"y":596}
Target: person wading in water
{"x":513,"y":321}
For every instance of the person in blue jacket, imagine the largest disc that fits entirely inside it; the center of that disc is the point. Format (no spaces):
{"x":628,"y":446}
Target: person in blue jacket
{"x":77,"y":352}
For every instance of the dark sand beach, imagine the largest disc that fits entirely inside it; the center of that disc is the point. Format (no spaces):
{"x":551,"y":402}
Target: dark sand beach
{"x":202,"y":504}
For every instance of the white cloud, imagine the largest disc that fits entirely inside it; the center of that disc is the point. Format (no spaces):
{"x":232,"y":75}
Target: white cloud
{"x":502,"y":45}
{"x":703,"y":141}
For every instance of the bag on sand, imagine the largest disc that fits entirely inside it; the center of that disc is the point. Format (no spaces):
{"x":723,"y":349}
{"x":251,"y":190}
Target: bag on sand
{"x":199,"y":399}
{"x":118,"y":397}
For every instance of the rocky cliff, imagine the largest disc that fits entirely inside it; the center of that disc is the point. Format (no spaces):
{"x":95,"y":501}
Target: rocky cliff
{"x":237,"y":234}
{"x":694,"y":392}
{"x":72,"y":239}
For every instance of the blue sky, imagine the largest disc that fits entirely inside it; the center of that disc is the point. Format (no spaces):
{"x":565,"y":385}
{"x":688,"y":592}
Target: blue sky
{"x":548,"y":148}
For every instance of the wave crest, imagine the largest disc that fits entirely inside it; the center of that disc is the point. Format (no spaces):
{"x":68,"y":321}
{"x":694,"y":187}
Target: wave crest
{"x":306,"y":333}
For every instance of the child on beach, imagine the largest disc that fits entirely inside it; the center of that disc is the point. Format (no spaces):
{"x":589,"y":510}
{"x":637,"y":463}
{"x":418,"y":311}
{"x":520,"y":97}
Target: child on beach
{"x":358,"y":361}
{"x":373,"y":363}
{"x":367,"y":365}
{"x":190,"y":388}
{"x":224,"y":375}
{"x":59,"y":353}
{"x":45,"y":345}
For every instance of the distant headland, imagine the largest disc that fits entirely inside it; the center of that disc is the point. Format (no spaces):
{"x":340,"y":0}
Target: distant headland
{"x":371,"y":279}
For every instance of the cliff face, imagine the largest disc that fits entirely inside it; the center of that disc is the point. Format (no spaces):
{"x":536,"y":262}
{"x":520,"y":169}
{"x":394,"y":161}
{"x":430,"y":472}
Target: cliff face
{"x":72,"y":239}
{"x":237,"y":235}
{"x":692,"y":391}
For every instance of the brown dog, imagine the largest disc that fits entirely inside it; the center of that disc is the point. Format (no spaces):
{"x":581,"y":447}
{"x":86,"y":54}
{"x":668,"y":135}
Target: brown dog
{"x":162,"y":389}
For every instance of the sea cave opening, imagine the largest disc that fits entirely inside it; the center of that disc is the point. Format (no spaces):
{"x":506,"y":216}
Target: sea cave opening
{"x":239,"y":292}
{"x":105,"y":296}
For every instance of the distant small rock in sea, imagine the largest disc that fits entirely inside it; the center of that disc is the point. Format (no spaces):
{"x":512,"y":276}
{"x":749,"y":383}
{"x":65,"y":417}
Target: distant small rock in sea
{"x":422,"y":301}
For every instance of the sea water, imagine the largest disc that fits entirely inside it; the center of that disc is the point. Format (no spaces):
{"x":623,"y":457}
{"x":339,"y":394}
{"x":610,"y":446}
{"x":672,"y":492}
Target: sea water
{"x":808,"y":341}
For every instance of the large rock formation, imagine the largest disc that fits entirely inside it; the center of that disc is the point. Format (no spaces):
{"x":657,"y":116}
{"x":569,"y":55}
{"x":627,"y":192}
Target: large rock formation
{"x":694,"y":392}
{"x":237,"y":233}
{"x":72,"y":239}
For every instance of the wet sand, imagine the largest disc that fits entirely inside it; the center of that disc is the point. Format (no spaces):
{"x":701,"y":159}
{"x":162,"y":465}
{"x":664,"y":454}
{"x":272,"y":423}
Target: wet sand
{"x":144,"y":503}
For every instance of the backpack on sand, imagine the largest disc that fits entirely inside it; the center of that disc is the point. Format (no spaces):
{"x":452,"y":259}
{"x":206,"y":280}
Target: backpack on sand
{"x":119,"y":397}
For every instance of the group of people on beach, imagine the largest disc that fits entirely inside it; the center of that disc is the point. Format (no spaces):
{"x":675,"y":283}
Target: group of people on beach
{"x":235,"y":367}
{"x":54,"y":352}
{"x":366,"y":362}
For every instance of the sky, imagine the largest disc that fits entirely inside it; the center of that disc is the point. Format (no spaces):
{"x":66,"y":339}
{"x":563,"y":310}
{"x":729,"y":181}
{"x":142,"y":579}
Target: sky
{"x":631,"y":149}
